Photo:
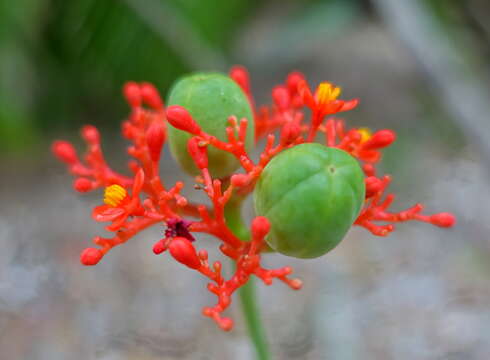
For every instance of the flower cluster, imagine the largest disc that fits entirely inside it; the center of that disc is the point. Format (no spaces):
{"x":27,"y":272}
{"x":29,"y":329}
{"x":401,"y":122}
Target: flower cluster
{"x":133,"y":203}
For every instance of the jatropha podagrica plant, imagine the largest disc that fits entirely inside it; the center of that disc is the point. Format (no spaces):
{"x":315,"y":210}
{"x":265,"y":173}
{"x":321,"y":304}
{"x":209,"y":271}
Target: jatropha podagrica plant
{"x":307,"y":195}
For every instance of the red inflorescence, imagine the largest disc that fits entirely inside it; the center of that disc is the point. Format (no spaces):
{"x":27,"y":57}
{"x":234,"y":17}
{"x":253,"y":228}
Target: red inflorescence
{"x":133,"y":203}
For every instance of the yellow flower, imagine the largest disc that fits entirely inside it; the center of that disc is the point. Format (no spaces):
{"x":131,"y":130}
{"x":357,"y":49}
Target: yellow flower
{"x":366,"y":134}
{"x":114,"y":195}
{"x":327,"y":92}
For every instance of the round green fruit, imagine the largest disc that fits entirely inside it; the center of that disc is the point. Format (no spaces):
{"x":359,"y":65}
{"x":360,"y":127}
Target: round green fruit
{"x":311,"y":195}
{"x":210,"y":98}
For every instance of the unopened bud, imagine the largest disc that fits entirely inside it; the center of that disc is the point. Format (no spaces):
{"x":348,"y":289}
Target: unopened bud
{"x":184,"y":252}
{"x":293,"y":79}
{"x":240,"y":75}
{"x":151,"y":96}
{"x":290,"y":132}
{"x":90,"y":134}
{"x":132,"y":93}
{"x":203,"y":254}
{"x":225,"y":324}
{"x":281,"y":98}
{"x":260,"y":227}
{"x":159,"y":246}
{"x":82,"y":185}
{"x":443,"y":219}
{"x":91,"y":256}
{"x":369,"y":169}
{"x":139,"y":181}
{"x":155,"y":137}
{"x":296,"y":284}
{"x":64,"y":151}
{"x":373,"y":185}
{"x":180,"y":118}
{"x":239,"y":180}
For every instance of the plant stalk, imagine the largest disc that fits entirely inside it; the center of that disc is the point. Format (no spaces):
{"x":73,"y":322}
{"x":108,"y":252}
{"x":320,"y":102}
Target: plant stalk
{"x":247,"y":293}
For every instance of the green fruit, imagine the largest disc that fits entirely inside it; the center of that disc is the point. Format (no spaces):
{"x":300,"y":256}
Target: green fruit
{"x":311,"y":194}
{"x":210,"y":98}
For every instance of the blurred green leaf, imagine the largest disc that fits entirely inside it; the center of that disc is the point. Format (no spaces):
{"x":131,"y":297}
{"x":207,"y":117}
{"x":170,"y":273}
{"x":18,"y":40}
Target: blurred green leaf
{"x":63,"y":63}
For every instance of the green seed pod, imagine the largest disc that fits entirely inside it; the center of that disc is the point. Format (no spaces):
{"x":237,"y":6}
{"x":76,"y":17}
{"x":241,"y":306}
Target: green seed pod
{"x":311,"y":194}
{"x":210,"y":98}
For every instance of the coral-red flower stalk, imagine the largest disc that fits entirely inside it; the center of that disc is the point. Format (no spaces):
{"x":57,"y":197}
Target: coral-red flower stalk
{"x":135,"y":202}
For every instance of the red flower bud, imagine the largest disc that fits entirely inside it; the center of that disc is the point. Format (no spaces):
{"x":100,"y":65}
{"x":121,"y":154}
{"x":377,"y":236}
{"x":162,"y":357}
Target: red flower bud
{"x":91,"y":256}
{"x":373,"y":185}
{"x":198,"y":153}
{"x":239,"y":180}
{"x":90,"y":134}
{"x":443,"y":219}
{"x":225,"y":324}
{"x":260,"y":227}
{"x":64,"y":151}
{"x":293,"y":79}
{"x":281,"y":98}
{"x":203,"y":254}
{"x":184,"y":252}
{"x":380,"y":139}
{"x":132,"y":93}
{"x":290,"y":132}
{"x":160,"y":246}
{"x":180,"y":118}
{"x":369,"y":169}
{"x":139,"y":181}
{"x":240,"y":75}
{"x":151,"y":96}
{"x":82,"y":185}
{"x":155,"y":137}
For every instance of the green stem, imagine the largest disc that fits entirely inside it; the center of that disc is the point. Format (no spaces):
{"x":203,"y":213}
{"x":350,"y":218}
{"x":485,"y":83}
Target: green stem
{"x":251,"y":313}
{"x":247,"y":294}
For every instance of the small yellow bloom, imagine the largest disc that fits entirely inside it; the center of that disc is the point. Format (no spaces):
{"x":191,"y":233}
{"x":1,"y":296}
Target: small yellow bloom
{"x":114,"y":195}
{"x":327,"y":92}
{"x":365,"y":134}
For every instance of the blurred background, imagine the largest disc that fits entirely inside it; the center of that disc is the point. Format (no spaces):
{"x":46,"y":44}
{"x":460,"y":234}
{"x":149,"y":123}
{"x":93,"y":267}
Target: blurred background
{"x":419,"y":67}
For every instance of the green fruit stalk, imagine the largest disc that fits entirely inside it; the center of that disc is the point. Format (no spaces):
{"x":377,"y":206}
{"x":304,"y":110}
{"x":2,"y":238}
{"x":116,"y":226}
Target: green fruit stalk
{"x":311,"y":194}
{"x":210,"y":98}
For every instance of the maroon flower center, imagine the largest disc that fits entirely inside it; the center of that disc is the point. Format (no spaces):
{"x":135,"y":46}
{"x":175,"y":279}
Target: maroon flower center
{"x":179,"y":228}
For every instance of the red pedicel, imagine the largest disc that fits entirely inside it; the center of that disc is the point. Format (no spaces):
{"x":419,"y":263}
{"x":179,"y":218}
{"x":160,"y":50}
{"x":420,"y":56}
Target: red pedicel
{"x":138,"y":201}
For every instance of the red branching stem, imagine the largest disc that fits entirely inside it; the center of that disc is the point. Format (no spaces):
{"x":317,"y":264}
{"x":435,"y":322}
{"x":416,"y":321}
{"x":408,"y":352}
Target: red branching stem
{"x":215,"y":224}
{"x":121,"y":237}
{"x":247,"y":264}
{"x":136,"y":202}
